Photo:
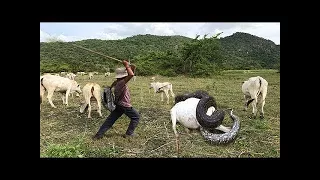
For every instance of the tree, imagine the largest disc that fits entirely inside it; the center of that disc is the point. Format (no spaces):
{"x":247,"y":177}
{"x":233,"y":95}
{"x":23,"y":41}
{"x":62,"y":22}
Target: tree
{"x":199,"y":56}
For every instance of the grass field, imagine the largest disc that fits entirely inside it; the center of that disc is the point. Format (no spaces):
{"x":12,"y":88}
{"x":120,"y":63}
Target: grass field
{"x":64,"y":132}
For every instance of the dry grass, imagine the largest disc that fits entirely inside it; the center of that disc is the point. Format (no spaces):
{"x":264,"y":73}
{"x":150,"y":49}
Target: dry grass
{"x":64,"y":132}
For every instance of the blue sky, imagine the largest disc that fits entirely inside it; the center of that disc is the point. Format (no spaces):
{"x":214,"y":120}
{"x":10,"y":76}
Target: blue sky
{"x":112,"y":31}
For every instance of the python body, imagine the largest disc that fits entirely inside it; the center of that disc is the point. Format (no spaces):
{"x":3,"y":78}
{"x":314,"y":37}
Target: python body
{"x":206,"y":122}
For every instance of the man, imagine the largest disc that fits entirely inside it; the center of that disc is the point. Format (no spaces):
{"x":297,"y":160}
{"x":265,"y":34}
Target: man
{"x":122,"y":101}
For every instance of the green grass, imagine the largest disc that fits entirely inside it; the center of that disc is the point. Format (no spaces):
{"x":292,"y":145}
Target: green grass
{"x":64,"y":132}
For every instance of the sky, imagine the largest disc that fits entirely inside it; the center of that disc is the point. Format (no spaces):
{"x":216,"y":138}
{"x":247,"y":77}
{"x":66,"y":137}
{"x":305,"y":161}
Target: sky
{"x":113,"y":31}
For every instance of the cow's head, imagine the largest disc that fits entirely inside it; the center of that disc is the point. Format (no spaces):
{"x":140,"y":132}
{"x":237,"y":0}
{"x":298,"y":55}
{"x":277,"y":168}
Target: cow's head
{"x":151,"y":85}
{"x":76,"y":87}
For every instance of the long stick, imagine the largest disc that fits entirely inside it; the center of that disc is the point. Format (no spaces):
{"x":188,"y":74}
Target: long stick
{"x":90,"y":50}
{"x":102,"y":55}
{"x":96,"y":52}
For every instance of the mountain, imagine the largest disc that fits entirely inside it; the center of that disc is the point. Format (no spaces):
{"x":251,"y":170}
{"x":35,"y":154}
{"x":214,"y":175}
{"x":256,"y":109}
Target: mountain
{"x":63,"y":56}
{"x":243,"y":50}
{"x":238,"y":51}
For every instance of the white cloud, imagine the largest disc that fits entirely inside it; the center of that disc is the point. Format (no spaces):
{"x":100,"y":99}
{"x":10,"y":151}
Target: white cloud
{"x":161,"y":29}
{"x":43,"y":36}
{"x":113,"y":31}
{"x":108,"y":36}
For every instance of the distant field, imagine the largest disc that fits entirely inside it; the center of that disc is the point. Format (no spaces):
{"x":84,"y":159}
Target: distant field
{"x":64,"y":132}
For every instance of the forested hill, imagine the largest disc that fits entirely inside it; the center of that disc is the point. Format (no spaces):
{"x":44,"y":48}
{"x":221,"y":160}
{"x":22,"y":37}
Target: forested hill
{"x":238,"y":51}
{"x":244,"y":50}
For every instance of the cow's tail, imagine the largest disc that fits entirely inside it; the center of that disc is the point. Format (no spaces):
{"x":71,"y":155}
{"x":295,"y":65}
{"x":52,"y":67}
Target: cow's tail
{"x":41,"y":81}
{"x":92,"y":89}
{"x":171,"y":91}
{"x":260,"y":84}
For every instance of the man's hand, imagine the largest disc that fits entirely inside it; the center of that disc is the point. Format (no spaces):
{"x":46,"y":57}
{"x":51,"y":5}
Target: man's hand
{"x":133,"y":67}
{"x":125,"y":63}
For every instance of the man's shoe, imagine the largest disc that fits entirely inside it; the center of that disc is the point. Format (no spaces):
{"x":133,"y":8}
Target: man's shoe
{"x":127,"y":136}
{"x":97,"y":136}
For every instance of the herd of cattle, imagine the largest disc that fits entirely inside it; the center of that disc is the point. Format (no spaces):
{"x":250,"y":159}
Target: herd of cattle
{"x":254,"y":90}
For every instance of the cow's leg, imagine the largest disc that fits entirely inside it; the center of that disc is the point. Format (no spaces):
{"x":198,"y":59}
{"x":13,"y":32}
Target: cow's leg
{"x":161,"y":96}
{"x":254,"y":107}
{"x":63,"y":98}
{"x":99,"y":108}
{"x":245,"y":103}
{"x":174,"y":122}
{"x":41,"y":95}
{"x":97,"y":95}
{"x":49,"y":96}
{"x":263,"y":97}
{"x":89,"y":109}
{"x":167,"y":94}
{"x":247,"y":100}
{"x":67,"y":94}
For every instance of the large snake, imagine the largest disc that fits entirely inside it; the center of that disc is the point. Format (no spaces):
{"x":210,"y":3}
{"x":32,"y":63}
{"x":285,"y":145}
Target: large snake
{"x":207,"y":123}
{"x":225,"y":137}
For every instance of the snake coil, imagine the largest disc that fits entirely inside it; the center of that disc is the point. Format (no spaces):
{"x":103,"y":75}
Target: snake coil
{"x":205,"y":102}
{"x":208,"y":123}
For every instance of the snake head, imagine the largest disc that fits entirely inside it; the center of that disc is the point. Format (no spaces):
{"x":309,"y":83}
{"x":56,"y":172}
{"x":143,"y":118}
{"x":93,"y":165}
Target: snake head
{"x":229,"y":110}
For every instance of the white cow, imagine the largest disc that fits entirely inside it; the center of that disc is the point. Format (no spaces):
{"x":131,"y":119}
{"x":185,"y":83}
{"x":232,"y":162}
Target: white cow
{"x":63,"y":85}
{"x":91,"y":90}
{"x":81,"y":73}
{"x":184,"y":112}
{"x":91,"y":75}
{"x":164,"y":87}
{"x":254,"y":88}
{"x":71,"y":76}
{"x":62,"y":73}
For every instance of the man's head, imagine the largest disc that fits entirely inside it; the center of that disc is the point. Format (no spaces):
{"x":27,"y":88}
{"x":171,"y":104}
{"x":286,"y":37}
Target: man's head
{"x":121,"y":73}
